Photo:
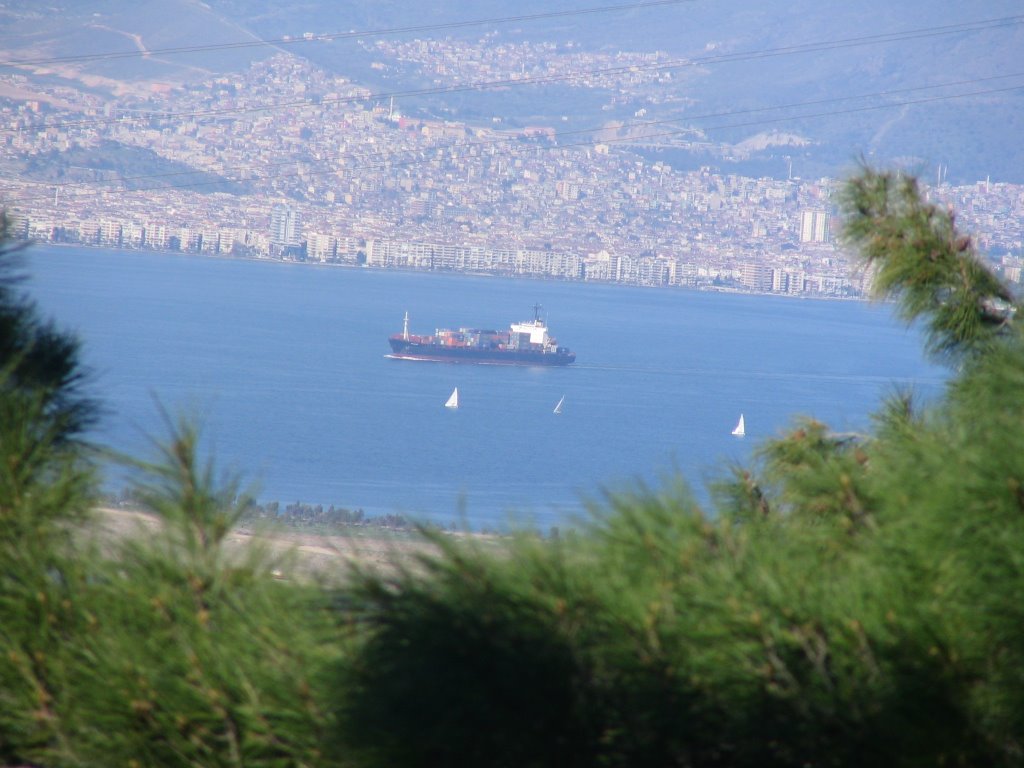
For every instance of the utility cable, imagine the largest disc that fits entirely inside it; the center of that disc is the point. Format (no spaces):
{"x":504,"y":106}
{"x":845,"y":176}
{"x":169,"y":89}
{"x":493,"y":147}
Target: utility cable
{"x":331,"y":36}
{"x":559,"y":135}
{"x":552,"y":79}
{"x":437,"y":152}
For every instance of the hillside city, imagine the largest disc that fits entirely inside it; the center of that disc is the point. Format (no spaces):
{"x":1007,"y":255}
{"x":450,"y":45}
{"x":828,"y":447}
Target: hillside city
{"x":286,"y":161}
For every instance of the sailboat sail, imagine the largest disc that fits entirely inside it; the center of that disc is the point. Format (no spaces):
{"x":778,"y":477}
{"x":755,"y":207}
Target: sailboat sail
{"x":453,"y":399}
{"x":741,"y":428}
{"x":558,"y":408}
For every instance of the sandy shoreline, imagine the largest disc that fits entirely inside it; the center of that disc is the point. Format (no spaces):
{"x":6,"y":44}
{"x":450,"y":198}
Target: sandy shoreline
{"x":291,"y":552}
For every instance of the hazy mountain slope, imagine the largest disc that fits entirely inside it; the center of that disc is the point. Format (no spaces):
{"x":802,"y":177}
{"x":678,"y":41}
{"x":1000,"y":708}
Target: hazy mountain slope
{"x":134,"y":167}
{"x":972,"y":136}
{"x":744,"y":53}
{"x":64,"y":28}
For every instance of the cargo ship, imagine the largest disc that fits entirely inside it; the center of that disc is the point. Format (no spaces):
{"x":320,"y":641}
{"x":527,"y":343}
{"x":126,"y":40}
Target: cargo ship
{"x":526,"y":343}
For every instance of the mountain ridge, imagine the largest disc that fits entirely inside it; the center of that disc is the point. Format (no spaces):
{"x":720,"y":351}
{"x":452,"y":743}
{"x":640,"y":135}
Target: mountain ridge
{"x":748,"y":54}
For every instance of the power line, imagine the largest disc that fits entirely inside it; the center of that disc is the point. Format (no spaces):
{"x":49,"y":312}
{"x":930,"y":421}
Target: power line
{"x":438,"y":151}
{"x":640,"y":123}
{"x":339,"y":35}
{"x":814,"y":47}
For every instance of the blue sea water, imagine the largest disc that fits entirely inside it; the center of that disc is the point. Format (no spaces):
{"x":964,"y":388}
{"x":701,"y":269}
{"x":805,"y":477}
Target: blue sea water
{"x":284,"y":365}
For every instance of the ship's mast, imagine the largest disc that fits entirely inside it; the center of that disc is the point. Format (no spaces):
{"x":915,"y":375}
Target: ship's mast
{"x":536,"y":313}
{"x":405,"y":327}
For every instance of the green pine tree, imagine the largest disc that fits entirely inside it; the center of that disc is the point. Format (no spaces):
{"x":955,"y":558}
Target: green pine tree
{"x":47,"y":485}
{"x":853,"y":600}
{"x":165,"y":649}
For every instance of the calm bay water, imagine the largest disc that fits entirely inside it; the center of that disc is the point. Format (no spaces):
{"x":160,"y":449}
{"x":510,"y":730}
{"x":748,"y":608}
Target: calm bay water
{"x":285,"y":367}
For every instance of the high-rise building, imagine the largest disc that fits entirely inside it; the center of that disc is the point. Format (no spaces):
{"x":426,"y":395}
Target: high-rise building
{"x":285,"y":226}
{"x":156,"y":235}
{"x":567,"y":190}
{"x":110,"y":232}
{"x":321,"y":247}
{"x":814,"y":226}
{"x":756,"y":277}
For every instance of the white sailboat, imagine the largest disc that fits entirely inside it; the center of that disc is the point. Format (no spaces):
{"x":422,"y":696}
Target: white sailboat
{"x":453,"y":399}
{"x":741,"y":428}
{"x":558,"y":408}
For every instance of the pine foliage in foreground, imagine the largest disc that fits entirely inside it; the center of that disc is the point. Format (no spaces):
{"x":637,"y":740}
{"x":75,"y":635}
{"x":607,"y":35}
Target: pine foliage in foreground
{"x":46,"y":484}
{"x":166,"y":650}
{"x":852,"y":599}
{"x":855,"y":599}
{"x":197,"y":655}
{"x":160,"y":651}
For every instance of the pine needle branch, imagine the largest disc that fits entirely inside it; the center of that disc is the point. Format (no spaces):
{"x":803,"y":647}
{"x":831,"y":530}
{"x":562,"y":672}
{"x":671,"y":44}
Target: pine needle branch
{"x":919,"y":257}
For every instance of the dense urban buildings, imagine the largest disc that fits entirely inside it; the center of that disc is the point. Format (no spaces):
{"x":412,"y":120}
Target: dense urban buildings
{"x":285,"y":161}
